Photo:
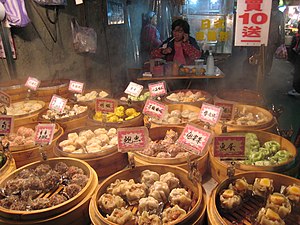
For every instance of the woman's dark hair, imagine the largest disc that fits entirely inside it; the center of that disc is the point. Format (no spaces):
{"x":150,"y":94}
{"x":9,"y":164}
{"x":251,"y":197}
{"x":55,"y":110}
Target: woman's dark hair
{"x":183,"y":24}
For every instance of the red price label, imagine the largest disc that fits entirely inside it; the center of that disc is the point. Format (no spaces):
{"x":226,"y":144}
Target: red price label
{"x":155,"y":109}
{"x":105,"y":105}
{"x":157,"y":89}
{"x":44,"y":133}
{"x":132,"y":139}
{"x":229,"y":146}
{"x":195,"y":139}
{"x":6,"y":124}
{"x":76,"y":86}
{"x":134,"y":89}
{"x":5,"y":99}
{"x":57,"y":103}
{"x":227,"y":107}
{"x":32,"y":83}
{"x":210,"y":113}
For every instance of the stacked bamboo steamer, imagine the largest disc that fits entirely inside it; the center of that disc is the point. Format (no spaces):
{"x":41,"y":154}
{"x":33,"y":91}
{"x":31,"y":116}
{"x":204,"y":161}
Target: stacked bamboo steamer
{"x":104,"y":162}
{"x":218,"y":168}
{"x":194,"y":216}
{"x":25,"y":154}
{"x":15,"y":89}
{"x":73,"y":211}
{"x":249,"y":208}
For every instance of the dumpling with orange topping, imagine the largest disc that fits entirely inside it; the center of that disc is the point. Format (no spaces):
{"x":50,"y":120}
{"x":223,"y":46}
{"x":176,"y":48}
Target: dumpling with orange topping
{"x":263,"y":187}
{"x":230,"y":200}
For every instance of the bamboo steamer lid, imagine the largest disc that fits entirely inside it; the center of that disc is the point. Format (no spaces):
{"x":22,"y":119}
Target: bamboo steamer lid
{"x":158,"y":133}
{"x":207,"y":97}
{"x":105,"y":163}
{"x":219,"y":168}
{"x":26,"y":154}
{"x":77,"y":215}
{"x":54,"y":210}
{"x":97,"y":218}
{"x":251,"y":206}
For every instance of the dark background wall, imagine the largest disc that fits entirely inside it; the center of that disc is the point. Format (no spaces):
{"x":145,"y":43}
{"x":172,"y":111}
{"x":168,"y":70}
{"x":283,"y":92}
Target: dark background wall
{"x":45,"y":50}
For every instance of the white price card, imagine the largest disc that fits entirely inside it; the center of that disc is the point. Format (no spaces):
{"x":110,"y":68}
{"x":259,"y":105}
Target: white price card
{"x":32,"y":83}
{"x":229,"y":146}
{"x":105,"y":105}
{"x":132,"y":139}
{"x":157,"y":88}
{"x":44,"y":133}
{"x":210,"y":113}
{"x":5,"y":99}
{"x":57,"y":103}
{"x":76,"y":87}
{"x":155,"y":109}
{"x":195,"y":139}
{"x":134,"y":89}
{"x":6,"y":124}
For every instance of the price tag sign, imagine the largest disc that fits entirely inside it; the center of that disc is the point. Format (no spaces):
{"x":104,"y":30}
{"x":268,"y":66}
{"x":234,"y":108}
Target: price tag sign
{"x":32,"y":83}
{"x":105,"y":105}
{"x":44,"y":133}
{"x":5,"y":99}
{"x":134,"y":89}
{"x":76,"y":87}
{"x":227,"y":107}
{"x":229,"y":146}
{"x":132,"y":139}
{"x":155,"y":109}
{"x":157,"y":89}
{"x":210,"y":113}
{"x":6,"y":124}
{"x":195,"y":139}
{"x":57,"y":103}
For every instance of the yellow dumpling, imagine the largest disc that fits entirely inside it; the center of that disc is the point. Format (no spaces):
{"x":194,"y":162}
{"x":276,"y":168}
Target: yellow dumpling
{"x":130,"y":111}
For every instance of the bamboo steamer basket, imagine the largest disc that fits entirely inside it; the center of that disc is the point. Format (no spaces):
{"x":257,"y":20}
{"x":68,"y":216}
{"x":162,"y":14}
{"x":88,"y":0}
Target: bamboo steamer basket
{"x":24,"y":119}
{"x":206,"y":95}
{"x":26,"y":154}
{"x":15,"y":89}
{"x":91,"y":103}
{"x":48,"y":88}
{"x":97,"y":218}
{"x":268,"y":125}
{"x":69,"y":123}
{"x":250,"y":207}
{"x":7,"y":168}
{"x":42,"y":214}
{"x":172,"y":107}
{"x":105,"y":163}
{"x":218,"y":168}
{"x":77,"y":215}
{"x":135,"y":122}
{"x":138,"y":104}
{"x":158,"y":133}
{"x":242,"y":96}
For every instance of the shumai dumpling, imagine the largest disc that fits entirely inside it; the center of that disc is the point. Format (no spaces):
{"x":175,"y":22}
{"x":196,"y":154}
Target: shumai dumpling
{"x":172,"y":214}
{"x":108,"y":202}
{"x":293,"y":193}
{"x":135,"y":192}
{"x":268,"y":217}
{"x":148,"y":204}
{"x":279,"y":204}
{"x":119,"y":187}
{"x":263,"y":187}
{"x":121,"y":216}
{"x":149,"y":219}
{"x":180,"y":197}
{"x":229,"y":199}
{"x":170,"y":179}
{"x":149,"y":177}
{"x":160,"y":191}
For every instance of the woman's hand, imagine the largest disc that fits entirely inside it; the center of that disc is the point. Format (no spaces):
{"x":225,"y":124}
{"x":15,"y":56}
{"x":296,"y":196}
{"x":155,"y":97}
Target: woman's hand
{"x":166,"y":51}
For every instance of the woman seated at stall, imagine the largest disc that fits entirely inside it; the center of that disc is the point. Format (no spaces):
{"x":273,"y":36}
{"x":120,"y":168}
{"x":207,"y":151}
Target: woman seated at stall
{"x":180,"y":47}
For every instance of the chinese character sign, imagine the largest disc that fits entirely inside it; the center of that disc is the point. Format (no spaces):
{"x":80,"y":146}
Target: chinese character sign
{"x":155,"y":109}
{"x":157,"y":89}
{"x":134,"y":89}
{"x":5,"y":99}
{"x":252,"y":22}
{"x":210,"y":113}
{"x":132,"y":139}
{"x":105,"y":105}
{"x":6,"y":124}
{"x":32,"y":83}
{"x":76,"y":87}
{"x":229,"y":146}
{"x":57,"y":103}
{"x":44,"y":133}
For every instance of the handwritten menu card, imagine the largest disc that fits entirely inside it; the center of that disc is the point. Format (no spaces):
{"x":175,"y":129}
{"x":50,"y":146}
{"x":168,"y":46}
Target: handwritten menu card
{"x":157,"y":89}
{"x":134,"y":89}
{"x":76,"y":87}
{"x":155,"y":109}
{"x":210,"y":113}
{"x":229,"y":146}
{"x":105,"y":105}
{"x":6,"y":124}
{"x":44,"y":133}
{"x":32,"y":83}
{"x":57,"y":103}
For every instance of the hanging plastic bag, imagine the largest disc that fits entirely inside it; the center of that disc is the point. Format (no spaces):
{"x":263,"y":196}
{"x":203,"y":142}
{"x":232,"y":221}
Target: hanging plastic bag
{"x":16,"y":13}
{"x":84,"y":38}
{"x":51,"y":2}
{"x":281,"y":52}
